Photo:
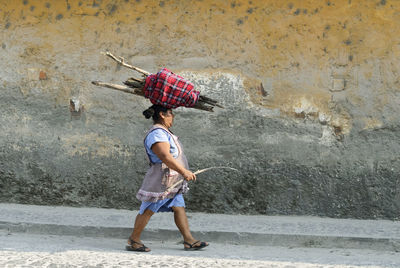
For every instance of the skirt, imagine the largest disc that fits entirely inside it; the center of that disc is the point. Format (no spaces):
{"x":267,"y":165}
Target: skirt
{"x":164,"y":205}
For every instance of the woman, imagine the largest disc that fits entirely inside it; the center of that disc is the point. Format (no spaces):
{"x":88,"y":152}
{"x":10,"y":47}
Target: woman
{"x":160,"y":190}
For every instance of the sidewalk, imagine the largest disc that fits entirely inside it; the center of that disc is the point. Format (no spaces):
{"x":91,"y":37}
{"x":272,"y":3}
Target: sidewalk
{"x":287,"y":231}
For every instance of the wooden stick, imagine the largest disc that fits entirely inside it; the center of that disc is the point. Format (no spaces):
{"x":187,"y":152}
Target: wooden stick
{"x":137,"y":80}
{"x":201,"y":106}
{"x":119,"y":87}
{"x":209,"y":101}
{"x":206,"y":169}
{"x":134,"y":83}
{"x":195,"y":173}
{"x":121,"y":61}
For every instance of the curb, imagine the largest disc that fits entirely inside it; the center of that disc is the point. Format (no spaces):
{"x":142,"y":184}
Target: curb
{"x":244,"y":238}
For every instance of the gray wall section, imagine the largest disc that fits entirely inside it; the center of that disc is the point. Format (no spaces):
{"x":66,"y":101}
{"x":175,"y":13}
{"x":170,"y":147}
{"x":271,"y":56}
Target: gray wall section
{"x":290,"y":166}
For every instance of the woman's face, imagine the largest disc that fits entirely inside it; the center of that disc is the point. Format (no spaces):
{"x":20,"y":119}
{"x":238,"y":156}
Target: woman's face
{"x":168,"y":118}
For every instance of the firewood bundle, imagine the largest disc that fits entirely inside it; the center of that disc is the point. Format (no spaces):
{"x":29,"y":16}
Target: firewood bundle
{"x":136,"y":86}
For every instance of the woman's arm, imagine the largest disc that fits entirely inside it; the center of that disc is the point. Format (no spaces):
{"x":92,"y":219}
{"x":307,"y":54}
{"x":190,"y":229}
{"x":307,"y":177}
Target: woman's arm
{"x":161,"y":149}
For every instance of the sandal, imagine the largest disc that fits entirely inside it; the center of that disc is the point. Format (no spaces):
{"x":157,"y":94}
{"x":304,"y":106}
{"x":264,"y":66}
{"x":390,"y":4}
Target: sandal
{"x":130,"y":247}
{"x":193,"y":247}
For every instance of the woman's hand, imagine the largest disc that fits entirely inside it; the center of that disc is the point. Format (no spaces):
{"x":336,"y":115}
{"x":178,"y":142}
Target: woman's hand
{"x":189,"y":176}
{"x":161,"y":149}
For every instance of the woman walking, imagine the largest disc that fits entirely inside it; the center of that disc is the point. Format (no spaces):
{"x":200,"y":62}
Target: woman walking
{"x":160,"y":191}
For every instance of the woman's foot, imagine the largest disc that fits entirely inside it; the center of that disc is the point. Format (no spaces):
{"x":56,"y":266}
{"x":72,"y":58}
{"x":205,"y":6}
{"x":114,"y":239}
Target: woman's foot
{"x":194,"y":245}
{"x":136,"y":246}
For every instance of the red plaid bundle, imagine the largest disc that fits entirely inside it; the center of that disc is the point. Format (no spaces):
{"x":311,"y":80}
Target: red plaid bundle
{"x":170,"y":90}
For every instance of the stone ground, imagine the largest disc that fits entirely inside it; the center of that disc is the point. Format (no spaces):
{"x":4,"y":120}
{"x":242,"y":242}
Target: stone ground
{"x":38,"y":250}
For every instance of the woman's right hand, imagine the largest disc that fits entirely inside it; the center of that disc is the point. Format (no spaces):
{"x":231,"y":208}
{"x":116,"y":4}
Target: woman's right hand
{"x":189,"y":176}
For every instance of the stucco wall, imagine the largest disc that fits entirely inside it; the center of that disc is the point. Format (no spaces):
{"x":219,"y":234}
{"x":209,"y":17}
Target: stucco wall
{"x":311,"y":90}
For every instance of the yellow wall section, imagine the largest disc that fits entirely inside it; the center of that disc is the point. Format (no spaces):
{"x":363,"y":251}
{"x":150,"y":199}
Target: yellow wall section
{"x":295,"y":48}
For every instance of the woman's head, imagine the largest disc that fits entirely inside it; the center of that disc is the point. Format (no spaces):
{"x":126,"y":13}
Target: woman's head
{"x":160,"y":115}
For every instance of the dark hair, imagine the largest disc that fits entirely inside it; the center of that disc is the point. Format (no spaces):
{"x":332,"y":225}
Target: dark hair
{"x":154,"y":111}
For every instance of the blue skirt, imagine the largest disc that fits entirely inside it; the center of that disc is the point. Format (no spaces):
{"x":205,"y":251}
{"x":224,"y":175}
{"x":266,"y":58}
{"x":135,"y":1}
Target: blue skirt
{"x":164,"y":205}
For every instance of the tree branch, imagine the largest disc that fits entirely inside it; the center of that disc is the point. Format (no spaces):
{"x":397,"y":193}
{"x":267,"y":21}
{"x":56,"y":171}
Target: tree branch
{"x":135,"y":91}
{"x":121,"y":61}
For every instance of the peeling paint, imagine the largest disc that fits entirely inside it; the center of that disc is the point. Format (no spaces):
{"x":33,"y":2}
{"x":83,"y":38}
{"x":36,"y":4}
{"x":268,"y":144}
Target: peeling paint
{"x":372,"y":123}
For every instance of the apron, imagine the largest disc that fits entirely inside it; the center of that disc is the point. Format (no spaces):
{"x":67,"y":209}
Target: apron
{"x":159,"y":177}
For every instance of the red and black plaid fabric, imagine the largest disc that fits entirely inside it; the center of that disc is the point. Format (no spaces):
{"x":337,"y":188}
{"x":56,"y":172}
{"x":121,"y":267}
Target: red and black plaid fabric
{"x":170,"y":90}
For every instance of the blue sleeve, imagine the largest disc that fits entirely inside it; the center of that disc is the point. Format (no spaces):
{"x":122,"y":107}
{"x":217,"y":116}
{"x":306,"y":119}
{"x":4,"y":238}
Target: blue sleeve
{"x":157,"y":135}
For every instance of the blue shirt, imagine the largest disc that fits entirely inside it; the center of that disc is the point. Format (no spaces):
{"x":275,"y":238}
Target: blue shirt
{"x":159,"y":135}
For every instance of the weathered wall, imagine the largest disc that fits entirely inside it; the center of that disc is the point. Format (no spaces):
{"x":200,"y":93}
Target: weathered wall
{"x":311,"y":90}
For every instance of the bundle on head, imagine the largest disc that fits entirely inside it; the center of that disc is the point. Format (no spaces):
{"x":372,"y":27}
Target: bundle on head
{"x":164,"y":88}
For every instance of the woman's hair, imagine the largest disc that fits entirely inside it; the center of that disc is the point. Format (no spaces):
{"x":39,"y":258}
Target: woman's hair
{"x":154,"y":111}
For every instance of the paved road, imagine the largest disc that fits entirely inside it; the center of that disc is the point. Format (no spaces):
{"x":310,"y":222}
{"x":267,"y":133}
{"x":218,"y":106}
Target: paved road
{"x":29,"y":250}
